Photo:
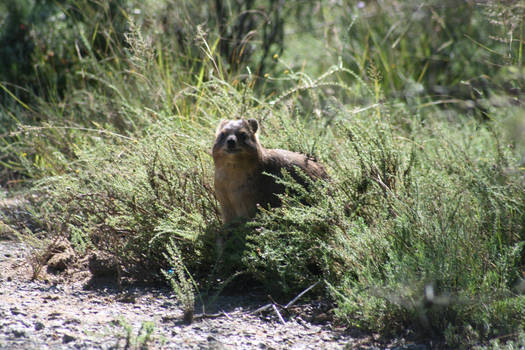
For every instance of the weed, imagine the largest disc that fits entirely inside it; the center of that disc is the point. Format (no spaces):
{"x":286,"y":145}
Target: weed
{"x":138,"y":341}
{"x":181,"y":281}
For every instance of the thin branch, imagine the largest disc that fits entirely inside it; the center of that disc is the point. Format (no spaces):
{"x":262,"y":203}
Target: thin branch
{"x":278,"y":314}
{"x":300,"y":295}
{"x":262,"y":308}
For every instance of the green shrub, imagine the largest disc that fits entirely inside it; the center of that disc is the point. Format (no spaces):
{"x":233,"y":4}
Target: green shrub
{"x":447,"y":234}
{"x":130,"y":198}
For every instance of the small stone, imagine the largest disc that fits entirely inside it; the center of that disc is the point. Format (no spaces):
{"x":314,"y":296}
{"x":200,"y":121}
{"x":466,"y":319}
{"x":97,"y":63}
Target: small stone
{"x":214,"y":344}
{"x":129,"y":298}
{"x":166,"y":305}
{"x":16,"y":311}
{"x":53,"y":315}
{"x":18,"y":332}
{"x":39,"y":326}
{"x":67,"y":338}
{"x":72,"y":321}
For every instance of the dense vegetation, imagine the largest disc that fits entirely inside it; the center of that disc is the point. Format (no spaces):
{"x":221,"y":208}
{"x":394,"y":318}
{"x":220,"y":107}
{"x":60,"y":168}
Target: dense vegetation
{"x":108,"y":110}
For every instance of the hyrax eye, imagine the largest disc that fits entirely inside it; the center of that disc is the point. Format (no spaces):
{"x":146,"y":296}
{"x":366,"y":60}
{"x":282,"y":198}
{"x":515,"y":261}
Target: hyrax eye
{"x":242,"y":136}
{"x":221,"y":137}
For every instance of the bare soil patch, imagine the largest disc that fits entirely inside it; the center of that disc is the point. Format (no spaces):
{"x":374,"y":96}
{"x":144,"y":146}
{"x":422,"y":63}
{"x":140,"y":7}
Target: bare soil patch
{"x":51,"y":315}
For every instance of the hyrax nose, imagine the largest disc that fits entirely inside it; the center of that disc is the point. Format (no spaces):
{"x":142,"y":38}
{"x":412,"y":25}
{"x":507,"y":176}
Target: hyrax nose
{"x":231,"y":141}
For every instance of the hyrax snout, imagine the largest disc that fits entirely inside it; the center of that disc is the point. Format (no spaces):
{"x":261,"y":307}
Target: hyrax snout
{"x":242,"y":165}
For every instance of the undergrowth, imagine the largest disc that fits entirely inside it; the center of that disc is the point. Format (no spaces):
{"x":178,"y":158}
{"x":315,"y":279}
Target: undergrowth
{"x":421,"y":224}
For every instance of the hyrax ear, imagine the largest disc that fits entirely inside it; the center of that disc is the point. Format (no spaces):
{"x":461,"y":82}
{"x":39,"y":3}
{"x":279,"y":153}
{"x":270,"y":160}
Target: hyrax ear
{"x":220,"y":126}
{"x":254,"y":125}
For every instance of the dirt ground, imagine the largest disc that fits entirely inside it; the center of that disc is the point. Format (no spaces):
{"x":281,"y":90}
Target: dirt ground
{"x":68,"y":311}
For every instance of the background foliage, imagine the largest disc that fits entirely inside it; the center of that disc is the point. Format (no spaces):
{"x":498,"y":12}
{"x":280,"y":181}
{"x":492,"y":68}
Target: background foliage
{"x":108,"y":110}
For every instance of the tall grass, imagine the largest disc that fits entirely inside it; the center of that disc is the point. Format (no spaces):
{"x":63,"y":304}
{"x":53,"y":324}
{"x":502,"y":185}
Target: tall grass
{"x":421,"y":225}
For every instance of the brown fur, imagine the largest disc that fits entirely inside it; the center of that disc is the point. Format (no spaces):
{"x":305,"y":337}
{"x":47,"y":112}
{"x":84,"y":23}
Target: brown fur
{"x":240,"y":161}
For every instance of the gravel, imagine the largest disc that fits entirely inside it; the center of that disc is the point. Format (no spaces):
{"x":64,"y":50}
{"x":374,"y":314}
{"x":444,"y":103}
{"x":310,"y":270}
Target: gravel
{"x":50,"y":315}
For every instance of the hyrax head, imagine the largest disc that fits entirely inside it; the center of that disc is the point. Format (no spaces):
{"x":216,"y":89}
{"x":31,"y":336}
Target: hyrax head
{"x":236,"y":138}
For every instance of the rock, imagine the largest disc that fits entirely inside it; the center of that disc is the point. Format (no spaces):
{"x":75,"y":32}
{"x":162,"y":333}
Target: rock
{"x":214,"y":344}
{"x":62,"y":255}
{"x":15,"y":311}
{"x":60,"y":246}
{"x":54,"y":315}
{"x":67,"y":338}
{"x":60,"y":261}
{"x":167,"y":305}
{"x":39,"y":326}
{"x":72,"y":321}
{"x":130,"y":298}
{"x":51,"y":297}
{"x":102,"y":265}
{"x":18,"y":332}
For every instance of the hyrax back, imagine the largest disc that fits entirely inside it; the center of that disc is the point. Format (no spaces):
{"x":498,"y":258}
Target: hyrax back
{"x":240,"y":161}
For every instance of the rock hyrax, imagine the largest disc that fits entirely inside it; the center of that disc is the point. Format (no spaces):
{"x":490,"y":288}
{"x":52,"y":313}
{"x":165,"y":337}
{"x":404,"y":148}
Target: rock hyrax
{"x":240,"y":161}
